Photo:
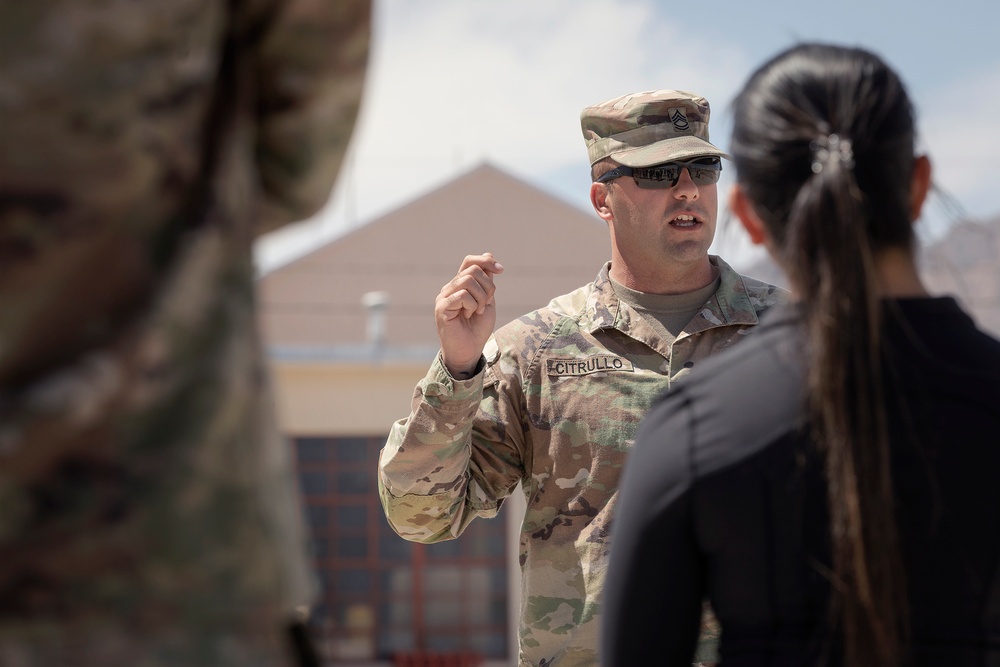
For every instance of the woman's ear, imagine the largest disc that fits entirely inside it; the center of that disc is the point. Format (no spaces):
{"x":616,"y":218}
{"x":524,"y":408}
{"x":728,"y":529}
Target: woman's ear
{"x":919,"y":186}
{"x":741,"y":207}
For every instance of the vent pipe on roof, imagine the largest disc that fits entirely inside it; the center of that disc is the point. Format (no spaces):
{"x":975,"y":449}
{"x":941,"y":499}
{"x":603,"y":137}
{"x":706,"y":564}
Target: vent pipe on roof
{"x":376,"y":303}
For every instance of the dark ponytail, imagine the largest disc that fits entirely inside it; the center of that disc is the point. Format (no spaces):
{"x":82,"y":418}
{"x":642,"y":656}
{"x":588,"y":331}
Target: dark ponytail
{"x":823,"y":143}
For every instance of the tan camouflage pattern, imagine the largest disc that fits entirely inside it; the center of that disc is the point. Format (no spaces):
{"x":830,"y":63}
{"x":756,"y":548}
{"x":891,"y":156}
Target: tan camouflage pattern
{"x":150,"y":514}
{"x":555,"y":409}
{"x":648,"y":128}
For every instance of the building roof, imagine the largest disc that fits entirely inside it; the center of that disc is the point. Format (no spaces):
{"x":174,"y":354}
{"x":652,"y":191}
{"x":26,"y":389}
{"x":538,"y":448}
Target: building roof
{"x":547,"y":247}
{"x":963,"y":264}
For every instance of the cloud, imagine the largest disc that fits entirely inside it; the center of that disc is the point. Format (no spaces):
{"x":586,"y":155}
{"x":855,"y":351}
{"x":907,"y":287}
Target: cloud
{"x":454,"y":83}
{"x":459,"y":82}
{"x":960,"y":130}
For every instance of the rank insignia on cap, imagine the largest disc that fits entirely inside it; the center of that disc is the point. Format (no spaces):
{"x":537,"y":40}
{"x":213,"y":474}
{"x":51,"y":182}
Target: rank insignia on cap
{"x":679,"y":120}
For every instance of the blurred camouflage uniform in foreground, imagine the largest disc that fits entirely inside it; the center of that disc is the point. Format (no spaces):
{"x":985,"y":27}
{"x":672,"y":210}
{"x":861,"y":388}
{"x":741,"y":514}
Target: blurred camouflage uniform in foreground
{"x":149,"y":512}
{"x":556,"y":408}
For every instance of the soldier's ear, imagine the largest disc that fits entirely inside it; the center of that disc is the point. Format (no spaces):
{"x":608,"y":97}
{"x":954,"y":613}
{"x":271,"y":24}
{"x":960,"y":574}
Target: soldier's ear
{"x":743,"y":209}
{"x":599,"y":193}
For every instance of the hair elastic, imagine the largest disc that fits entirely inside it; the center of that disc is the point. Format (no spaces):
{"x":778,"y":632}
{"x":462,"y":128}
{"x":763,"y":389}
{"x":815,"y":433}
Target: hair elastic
{"x":831,"y":148}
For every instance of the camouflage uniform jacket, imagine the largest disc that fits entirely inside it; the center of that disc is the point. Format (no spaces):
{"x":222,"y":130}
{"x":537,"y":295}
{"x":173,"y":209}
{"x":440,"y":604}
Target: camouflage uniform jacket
{"x":555,"y":409}
{"x":149,"y":513}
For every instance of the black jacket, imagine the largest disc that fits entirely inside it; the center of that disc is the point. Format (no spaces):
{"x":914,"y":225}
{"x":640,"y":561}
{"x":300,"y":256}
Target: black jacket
{"x":724,"y":497}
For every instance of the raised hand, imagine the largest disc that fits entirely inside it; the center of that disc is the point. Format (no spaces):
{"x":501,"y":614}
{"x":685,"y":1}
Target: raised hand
{"x":465,"y":313}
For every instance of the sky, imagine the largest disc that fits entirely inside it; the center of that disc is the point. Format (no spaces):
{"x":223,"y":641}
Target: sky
{"x":452,"y":84}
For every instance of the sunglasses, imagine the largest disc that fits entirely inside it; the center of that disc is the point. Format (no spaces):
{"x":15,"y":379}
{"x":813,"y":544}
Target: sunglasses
{"x":703,"y":171}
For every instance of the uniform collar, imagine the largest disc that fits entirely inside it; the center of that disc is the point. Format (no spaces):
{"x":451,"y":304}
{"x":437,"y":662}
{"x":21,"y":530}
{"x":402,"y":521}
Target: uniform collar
{"x":730,"y":305}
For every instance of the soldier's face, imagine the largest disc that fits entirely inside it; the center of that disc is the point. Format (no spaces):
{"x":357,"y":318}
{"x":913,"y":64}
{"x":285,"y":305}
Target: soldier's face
{"x":674,"y":225}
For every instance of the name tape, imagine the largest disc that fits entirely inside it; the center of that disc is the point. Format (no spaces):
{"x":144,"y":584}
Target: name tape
{"x":598,"y":364}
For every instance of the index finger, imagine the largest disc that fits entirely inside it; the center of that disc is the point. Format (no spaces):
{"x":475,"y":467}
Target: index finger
{"x":485,"y":261}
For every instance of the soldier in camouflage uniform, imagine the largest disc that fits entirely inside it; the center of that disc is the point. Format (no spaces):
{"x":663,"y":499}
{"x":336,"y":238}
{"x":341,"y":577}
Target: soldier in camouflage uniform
{"x":149,"y":510}
{"x":552,"y":400}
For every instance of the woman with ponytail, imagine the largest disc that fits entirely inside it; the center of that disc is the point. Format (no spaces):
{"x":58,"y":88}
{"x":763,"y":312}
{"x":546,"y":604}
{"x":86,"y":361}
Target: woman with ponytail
{"x":830,"y":484}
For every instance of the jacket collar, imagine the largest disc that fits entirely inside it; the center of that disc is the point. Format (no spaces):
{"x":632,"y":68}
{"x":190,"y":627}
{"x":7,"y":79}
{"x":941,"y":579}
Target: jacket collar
{"x":730,"y":305}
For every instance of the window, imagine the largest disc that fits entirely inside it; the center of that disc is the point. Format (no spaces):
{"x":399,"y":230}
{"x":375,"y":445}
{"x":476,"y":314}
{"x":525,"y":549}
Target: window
{"x":382,"y":594}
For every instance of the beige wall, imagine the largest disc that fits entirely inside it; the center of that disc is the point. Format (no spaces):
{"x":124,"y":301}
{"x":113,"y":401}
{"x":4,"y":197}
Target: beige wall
{"x":343,"y":399}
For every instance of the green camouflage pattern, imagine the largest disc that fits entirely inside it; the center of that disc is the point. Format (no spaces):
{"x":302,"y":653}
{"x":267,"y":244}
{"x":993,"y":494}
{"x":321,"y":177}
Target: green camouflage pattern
{"x":648,"y":128}
{"x":150,"y":514}
{"x":555,"y":409}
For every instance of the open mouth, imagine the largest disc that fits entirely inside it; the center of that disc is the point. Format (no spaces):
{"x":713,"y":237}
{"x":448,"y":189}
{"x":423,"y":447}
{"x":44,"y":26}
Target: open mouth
{"x":684,"y":221}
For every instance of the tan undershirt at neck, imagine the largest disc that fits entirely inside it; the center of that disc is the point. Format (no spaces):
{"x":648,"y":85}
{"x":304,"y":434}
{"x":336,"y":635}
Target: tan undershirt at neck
{"x":667,"y":313}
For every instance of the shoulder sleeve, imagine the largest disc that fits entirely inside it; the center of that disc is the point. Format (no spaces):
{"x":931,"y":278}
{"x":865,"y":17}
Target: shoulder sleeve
{"x":655,"y":585}
{"x":310,"y":66}
{"x":457,"y":456}
{"x":763,"y":295}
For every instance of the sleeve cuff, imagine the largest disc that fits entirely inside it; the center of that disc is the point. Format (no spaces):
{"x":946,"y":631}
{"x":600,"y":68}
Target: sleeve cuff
{"x":439,"y":383}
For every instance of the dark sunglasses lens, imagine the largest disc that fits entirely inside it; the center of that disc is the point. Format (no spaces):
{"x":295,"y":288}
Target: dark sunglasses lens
{"x":655,"y":178}
{"x":703,"y":176}
{"x":704,"y":171}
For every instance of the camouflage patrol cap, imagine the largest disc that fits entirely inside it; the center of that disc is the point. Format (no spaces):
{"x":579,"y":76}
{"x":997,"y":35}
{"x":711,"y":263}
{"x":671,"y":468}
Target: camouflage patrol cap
{"x":643,"y":129}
